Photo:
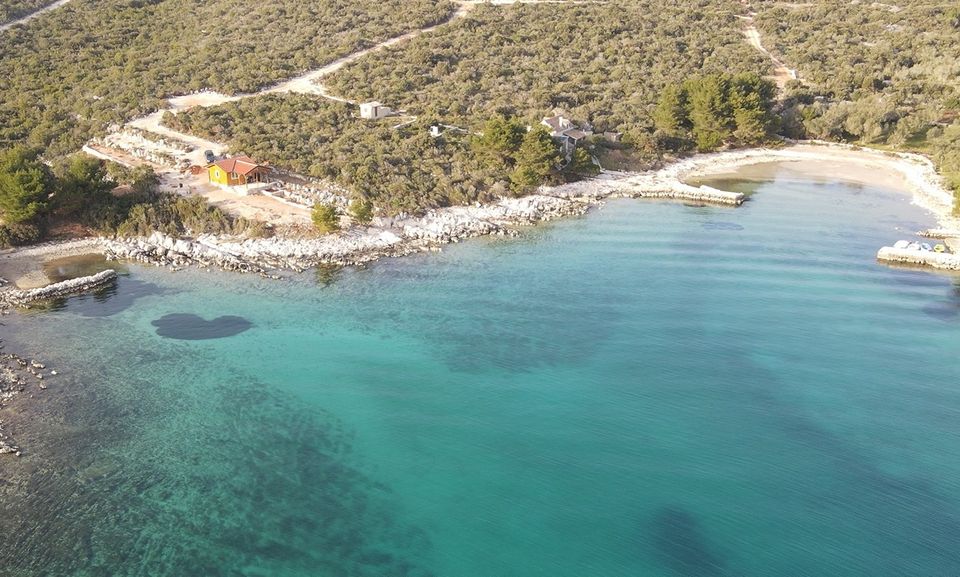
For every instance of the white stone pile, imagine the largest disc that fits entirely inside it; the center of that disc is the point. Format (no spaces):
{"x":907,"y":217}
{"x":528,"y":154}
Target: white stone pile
{"x":56,"y":290}
{"x":164,"y":250}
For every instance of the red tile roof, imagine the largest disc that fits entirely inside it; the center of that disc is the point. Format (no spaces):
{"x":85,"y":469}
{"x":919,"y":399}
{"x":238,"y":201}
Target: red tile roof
{"x":239,"y":164}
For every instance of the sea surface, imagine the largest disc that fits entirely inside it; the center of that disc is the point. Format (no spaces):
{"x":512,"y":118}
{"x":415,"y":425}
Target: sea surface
{"x":653,"y":389}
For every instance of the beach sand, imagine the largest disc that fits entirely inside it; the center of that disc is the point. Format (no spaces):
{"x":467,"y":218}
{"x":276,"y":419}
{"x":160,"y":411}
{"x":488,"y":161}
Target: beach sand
{"x":828,"y":161}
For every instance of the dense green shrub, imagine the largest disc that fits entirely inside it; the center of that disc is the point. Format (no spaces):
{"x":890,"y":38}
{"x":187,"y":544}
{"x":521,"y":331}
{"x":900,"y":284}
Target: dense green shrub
{"x":184,"y":216}
{"x":19,"y":234}
{"x":76,"y":70}
{"x":13,"y":9}
{"x":324,"y":217}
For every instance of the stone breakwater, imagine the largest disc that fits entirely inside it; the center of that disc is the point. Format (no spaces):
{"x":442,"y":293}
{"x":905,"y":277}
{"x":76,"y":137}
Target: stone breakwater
{"x":60,"y":289}
{"x":662,"y":184}
{"x":938,"y":260}
{"x":357,"y":245}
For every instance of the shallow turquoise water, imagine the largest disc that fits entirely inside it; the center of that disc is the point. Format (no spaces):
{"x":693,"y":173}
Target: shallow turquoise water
{"x":653,"y":389}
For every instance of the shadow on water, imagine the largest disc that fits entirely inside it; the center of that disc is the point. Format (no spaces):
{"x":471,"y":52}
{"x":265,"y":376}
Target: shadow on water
{"x":946,"y":309}
{"x":682,"y":546}
{"x":105,"y":301}
{"x":327,"y":274}
{"x":189,"y":327}
{"x":720,"y":225}
{"x":930,"y":522}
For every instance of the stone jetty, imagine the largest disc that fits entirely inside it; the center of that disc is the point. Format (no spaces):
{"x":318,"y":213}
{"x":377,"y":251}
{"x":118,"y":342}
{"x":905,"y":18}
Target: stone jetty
{"x":60,"y":289}
{"x":938,"y":260}
{"x":688,"y":193}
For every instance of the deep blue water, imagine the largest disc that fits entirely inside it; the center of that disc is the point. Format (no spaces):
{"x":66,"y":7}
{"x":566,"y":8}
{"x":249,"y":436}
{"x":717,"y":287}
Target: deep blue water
{"x":650,"y":390}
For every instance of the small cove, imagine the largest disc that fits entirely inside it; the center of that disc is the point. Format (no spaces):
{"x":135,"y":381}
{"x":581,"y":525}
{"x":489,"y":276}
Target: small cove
{"x":652,"y":389}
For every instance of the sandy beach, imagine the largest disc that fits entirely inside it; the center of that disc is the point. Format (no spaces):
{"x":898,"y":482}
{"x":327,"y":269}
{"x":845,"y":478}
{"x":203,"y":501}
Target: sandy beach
{"x":679,"y":180}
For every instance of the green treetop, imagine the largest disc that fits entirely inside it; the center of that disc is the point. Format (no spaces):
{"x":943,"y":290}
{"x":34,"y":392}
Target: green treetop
{"x":537,"y":160}
{"x":361,"y":210}
{"x":325,"y":218}
{"x":24,"y":184}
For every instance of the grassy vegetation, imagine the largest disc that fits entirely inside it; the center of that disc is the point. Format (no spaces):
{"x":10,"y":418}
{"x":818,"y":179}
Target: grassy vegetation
{"x":602,"y":63}
{"x":13,"y":9}
{"x":183,"y":216}
{"x":70,"y":74}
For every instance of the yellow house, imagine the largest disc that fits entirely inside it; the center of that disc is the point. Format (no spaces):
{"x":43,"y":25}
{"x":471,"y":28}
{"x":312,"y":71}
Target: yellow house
{"x":237,"y":171}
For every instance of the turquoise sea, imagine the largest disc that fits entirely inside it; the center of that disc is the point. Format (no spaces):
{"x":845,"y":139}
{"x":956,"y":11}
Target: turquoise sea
{"x":653,"y":389}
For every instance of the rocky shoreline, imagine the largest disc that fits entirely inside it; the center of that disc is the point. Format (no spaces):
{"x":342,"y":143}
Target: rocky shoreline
{"x":395,"y":236}
{"x":17,"y":374}
{"x":403,"y":235}
{"x":386,"y":237}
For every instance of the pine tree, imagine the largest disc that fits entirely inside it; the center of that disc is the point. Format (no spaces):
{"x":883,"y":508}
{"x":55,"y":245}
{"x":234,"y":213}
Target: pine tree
{"x":709,"y":110}
{"x":24,"y":182}
{"x":670,"y":115}
{"x":537,"y":160}
{"x":82,"y":184}
{"x":582,"y":164}
{"x":361,"y":210}
{"x":500,"y":141}
{"x":325,"y":218}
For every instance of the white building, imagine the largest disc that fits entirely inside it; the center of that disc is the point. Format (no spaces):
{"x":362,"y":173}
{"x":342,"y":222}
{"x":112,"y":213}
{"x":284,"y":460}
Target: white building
{"x":568,"y":134}
{"x":374,"y":110}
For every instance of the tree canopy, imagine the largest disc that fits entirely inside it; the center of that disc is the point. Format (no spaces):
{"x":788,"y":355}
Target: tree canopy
{"x":25,"y":183}
{"x":325,"y":218}
{"x":718,"y":109}
{"x":72,"y":73}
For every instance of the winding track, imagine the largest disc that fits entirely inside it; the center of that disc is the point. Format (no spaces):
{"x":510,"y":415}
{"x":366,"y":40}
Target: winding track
{"x":781,"y":72}
{"x":307,"y":83}
{"x":32,"y":15}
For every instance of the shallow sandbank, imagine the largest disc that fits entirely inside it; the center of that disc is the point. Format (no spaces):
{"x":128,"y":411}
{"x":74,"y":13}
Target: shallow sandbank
{"x":24,"y":267}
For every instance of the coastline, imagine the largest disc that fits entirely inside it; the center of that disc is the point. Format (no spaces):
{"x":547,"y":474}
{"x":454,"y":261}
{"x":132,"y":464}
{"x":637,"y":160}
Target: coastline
{"x":405,"y":235}
{"x":391,"y":237}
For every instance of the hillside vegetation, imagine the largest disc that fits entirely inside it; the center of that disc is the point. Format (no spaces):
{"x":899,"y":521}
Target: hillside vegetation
{"x":881,"y":74}
{"x":498,"y":70}
{"x":600,"y":63}
{"x":71,"y":73}
{"x":400,"y":169}
{"x":13,"y":9}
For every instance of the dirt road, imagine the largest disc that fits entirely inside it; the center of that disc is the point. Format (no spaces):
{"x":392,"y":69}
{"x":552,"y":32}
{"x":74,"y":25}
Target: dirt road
{"x":32,"y":15}
{"x":781,"y":73}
